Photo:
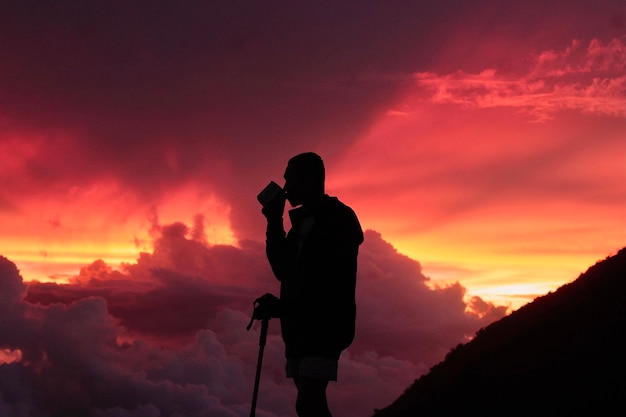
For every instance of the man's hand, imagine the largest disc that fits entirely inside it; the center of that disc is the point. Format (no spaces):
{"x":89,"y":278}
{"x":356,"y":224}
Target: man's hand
{"x":274,"y":209}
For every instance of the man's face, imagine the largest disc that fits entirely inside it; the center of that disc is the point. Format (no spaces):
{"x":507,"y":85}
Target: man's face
{"x":294,"y":188}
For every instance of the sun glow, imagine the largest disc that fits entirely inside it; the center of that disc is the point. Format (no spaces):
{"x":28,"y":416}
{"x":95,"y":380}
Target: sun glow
{"x":8,"y":356}
{"x":483,"y":193}
{"x":52,"y":238}
{"x":205,"y":213}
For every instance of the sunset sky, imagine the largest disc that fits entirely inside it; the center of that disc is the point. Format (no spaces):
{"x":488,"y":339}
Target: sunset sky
{"x":481,"y":143}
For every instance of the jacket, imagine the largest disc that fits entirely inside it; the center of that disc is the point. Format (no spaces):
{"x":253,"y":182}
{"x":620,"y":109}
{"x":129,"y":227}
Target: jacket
{"x":316,"y":264}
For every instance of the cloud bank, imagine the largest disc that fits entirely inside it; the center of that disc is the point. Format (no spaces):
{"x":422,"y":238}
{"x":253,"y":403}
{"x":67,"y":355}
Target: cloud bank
{"x":166,"y":335}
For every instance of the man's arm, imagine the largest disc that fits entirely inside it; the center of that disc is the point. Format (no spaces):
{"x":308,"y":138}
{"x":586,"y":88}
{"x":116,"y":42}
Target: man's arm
{"x":276,"y":239}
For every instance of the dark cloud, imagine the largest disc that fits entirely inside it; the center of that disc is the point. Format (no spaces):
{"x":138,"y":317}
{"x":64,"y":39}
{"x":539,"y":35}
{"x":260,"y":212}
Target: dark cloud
{"x":204,"y":80}
{"x":223,"y":92}
{"x":402,"y":314}
{"x":167,"y":334}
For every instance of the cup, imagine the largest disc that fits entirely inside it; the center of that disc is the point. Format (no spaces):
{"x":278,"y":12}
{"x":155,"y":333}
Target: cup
{"x":269,"y":193}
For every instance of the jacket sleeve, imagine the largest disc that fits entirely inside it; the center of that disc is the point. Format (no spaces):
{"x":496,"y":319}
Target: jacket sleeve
{"x":276,"y":246}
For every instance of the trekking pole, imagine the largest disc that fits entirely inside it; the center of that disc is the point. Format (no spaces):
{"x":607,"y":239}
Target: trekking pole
{"x":264,"y":325}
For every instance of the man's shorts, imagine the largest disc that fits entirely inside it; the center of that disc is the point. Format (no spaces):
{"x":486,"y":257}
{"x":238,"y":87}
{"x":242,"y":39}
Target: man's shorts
{"x":313,"y":367}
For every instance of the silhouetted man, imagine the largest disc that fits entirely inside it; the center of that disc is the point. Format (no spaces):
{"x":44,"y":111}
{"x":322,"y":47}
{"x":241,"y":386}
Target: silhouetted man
{"x":316,"y":263}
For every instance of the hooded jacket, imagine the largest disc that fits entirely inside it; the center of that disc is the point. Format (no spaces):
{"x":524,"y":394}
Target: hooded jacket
{"x":316,"y":264}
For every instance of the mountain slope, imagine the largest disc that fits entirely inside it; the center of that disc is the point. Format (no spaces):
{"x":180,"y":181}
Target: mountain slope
{"x":562,"y":354}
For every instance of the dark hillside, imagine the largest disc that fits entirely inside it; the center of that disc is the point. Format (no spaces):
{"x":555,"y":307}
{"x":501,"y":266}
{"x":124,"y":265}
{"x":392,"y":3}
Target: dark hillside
{"x":561,"y":355}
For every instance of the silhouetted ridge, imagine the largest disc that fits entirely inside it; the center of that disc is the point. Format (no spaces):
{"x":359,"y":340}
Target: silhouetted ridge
{"x":561,"y":355}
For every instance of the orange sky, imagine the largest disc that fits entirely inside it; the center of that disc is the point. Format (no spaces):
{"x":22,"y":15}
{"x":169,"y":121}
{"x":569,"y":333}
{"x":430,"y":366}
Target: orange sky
{"x":511,"y":183}
{"x":492,"y":157}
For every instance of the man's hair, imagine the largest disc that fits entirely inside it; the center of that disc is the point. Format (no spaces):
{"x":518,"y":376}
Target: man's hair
{"x":309,"y":165}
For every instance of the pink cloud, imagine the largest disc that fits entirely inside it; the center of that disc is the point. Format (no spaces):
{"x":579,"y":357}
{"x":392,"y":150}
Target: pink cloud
{"x":589,"y":80}
{"x":168,"y":334}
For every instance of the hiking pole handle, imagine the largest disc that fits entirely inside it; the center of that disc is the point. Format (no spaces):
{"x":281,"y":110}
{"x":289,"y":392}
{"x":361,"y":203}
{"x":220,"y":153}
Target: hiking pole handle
{"x":264,"y":326}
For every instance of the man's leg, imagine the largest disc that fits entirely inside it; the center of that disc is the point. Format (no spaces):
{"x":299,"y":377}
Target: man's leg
{"x":311,"y":400}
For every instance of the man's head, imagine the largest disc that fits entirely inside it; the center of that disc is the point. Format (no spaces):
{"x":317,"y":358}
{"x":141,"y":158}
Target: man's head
{"x":304,"y":179}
